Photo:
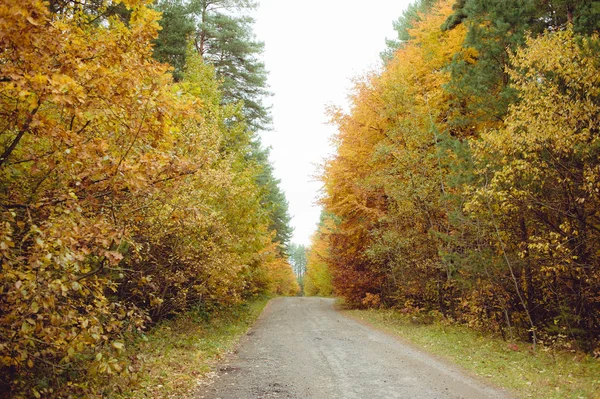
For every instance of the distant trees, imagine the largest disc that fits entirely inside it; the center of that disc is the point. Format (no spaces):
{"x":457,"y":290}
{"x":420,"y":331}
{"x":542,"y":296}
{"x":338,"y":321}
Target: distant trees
{"x":297,"y":253}
{"x":317,"y":279}
{"x":465,"y":179}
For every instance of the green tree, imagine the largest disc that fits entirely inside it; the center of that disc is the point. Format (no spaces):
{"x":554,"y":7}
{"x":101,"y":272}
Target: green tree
{"x":413,"y":13}
{"x":222,"y":35}
{"x":480,"y":83}
{"x":227,"y":43}
{"x":273,"y":200}
{"x":177,"y":25}
{"x":298,"y":258}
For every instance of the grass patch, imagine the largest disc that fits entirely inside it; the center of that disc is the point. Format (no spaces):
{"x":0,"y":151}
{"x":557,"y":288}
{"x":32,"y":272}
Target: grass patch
{"x":545,"y":373}
{"x":173,"y":356}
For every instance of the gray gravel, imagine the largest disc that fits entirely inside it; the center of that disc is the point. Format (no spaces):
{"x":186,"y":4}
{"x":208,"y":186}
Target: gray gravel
{"x":303,"y":348}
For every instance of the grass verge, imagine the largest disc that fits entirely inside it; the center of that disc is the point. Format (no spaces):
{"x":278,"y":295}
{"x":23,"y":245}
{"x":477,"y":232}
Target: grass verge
{"x":174,"y":355}
{"x":545,"y":373}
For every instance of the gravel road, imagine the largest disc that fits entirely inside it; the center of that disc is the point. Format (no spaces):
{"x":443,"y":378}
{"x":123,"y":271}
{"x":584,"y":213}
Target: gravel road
{"x":303,"y":348}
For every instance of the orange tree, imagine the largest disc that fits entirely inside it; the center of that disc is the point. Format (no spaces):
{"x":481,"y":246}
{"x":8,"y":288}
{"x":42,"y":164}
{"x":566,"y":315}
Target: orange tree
{"x":385,"y":186}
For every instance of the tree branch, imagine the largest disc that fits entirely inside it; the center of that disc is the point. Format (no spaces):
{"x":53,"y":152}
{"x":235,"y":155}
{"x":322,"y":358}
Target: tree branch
{"x":13,"y":145}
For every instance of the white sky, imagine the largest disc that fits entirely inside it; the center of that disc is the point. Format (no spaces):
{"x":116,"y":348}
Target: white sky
{"x":313,"y":48}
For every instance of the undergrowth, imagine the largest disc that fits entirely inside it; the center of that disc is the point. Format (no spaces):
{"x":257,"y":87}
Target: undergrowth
{"x":173,"y":357}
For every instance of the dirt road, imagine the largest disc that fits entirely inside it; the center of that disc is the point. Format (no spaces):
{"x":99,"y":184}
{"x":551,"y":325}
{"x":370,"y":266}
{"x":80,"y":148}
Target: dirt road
{"x":303,"y":348}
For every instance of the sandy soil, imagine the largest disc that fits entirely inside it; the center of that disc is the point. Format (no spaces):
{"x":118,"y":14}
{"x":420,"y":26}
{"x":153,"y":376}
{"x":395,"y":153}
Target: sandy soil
{"x":303,"y":348}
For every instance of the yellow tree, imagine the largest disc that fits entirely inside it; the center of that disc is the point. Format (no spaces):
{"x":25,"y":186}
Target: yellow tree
{"x":539,"y":184}
{"x":183,"y":232}
{"x":317,"y":280}
{"x":385,"y":185}
{"x":83,"y":134}
{"x":122,"y":195}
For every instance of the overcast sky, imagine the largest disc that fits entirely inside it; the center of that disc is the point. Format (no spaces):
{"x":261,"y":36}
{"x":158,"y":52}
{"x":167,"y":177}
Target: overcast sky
{"x":313,"y":48}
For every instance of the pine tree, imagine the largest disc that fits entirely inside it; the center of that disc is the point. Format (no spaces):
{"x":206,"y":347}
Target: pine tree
{"x":227,"y":43}
{"x":413,"y":13}
{"x":272,"y":198}
{"x":177,"y":24}
{"x":479,"y":82}
{"x":222,"y":35}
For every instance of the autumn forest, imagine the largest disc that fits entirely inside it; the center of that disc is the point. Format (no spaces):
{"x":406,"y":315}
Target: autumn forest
{"x":134,"y":186}
{"x":466,"y":181}
{"x":132,"y":190}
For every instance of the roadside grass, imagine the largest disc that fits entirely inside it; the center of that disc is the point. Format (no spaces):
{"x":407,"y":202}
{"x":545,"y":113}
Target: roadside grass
{"x":176,"y":354}
{"x":545,"y":373}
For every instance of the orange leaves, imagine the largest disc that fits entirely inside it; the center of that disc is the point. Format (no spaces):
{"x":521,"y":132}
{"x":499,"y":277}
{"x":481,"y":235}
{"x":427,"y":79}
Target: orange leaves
{"x":437,"y":204}
{"x":385,"y":185}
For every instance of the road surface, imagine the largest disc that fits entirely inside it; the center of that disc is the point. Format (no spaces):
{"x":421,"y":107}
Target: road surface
{"x":303,"y":348}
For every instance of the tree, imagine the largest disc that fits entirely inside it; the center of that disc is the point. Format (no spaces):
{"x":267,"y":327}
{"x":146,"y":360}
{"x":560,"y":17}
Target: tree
{"x":224,"y":39}
{"x":273,"y":200}
{"x":297,"y":254}
{"x":386,"y":185}
{"x":177,"y":25}
{"x":413,"y":14}
{"x":227,"y":43}
{"x":318,"y":278}
{"x":85,"y":139}
{"x":479,"y":81}
{"x":539,"y":184}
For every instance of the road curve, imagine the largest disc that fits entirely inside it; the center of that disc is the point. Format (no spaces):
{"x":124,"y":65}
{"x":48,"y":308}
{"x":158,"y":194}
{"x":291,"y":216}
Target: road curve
{"x":303,"y":348}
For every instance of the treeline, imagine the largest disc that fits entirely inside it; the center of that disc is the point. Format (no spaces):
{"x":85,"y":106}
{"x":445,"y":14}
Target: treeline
{"x":126,"y":196}
{"x":467,"y":176}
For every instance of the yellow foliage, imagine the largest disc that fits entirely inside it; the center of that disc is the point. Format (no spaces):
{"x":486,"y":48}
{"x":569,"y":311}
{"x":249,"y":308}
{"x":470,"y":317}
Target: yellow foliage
{"x":318,"y":279}
{"x":120,"y":199}
{"x":540,"y":169}
{"x":385,"y":185}
{"x":283,"y":279}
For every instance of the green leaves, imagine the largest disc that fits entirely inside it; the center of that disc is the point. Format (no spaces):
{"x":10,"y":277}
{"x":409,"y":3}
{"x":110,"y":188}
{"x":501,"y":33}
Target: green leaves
{"x":222,"y":36}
